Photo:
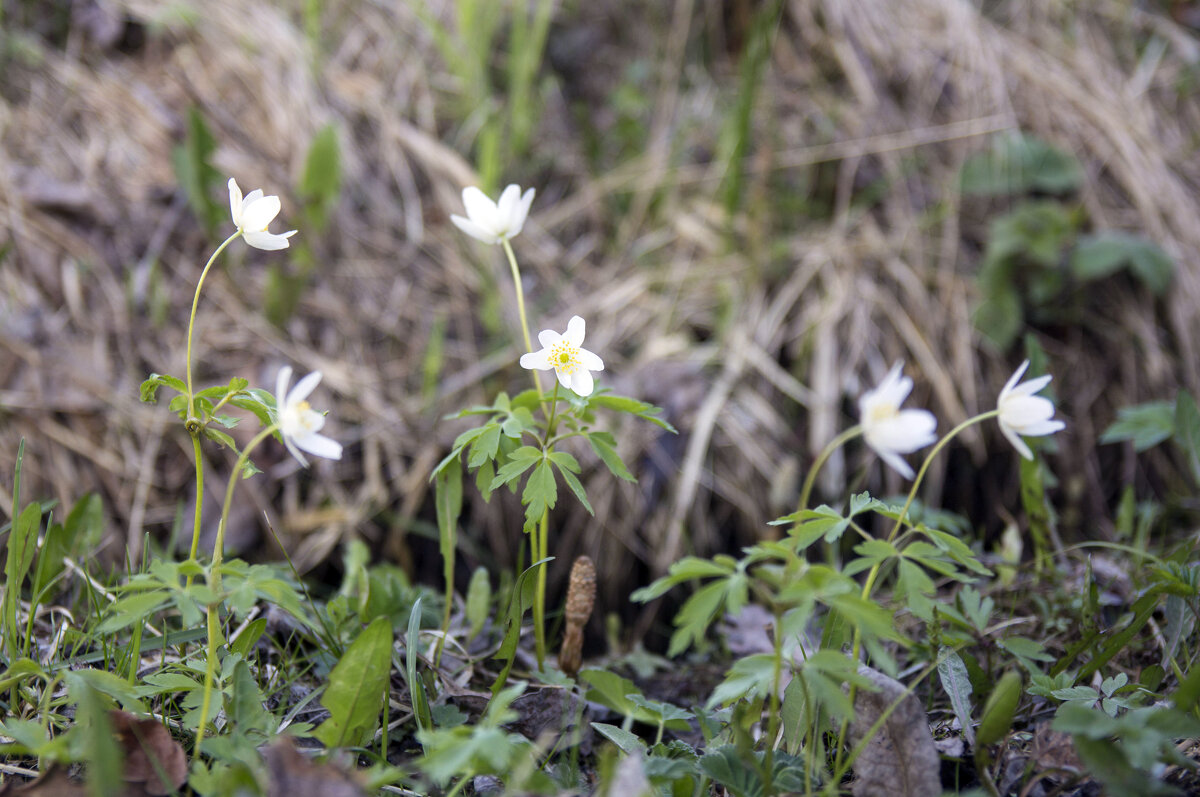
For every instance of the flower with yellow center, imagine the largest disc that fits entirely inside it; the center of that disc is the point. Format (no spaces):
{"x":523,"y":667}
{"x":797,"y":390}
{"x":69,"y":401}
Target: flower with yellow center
{"x":252,"y":214}
{"x":564,"y":353}
{"x":298,"y":422}
{"x":889,"y":430}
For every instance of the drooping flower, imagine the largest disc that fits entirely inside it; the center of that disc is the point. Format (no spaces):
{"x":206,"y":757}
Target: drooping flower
{"x":493,"y":222}
{"x":1022,"y":413}
{"x":298,"y":422}
{"x":564,"y":353}
{"x":889,"y":430}
{"x":252,"y":214}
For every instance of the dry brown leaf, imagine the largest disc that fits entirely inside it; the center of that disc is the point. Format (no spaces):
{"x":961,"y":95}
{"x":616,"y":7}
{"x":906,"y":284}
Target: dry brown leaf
{"x":294,"y":775}
{"x":900,"y":760}
{"x":155,"y":764}
{"x":53,"y":783}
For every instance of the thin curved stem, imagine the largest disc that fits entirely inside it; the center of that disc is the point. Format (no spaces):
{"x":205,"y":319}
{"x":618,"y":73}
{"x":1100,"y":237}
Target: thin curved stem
{"x":520,"y":291}
{"x":214,"y":582}
{"x":192,"y":318}
{"x":869,"y":584}
{"x":826,"y":452}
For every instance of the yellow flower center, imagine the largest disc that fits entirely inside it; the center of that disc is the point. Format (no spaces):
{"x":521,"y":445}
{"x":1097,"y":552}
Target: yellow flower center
{"x":564,"y":357}
{"x":881,"y":412}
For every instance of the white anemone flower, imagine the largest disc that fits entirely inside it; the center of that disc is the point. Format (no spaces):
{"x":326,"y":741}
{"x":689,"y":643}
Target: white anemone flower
{"x":298,"y":422}
{"x":889,"y":430}
{"x":252,"y":214}
{"x":493,"y":222}
{"x":1022,"y":413}
{"x":564,"y":353}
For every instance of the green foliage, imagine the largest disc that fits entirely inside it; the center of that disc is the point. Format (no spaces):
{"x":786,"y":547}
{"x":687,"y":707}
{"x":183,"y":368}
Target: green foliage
{"x":321,"y":181}
{"x":1145,"y":425}
{"x":198,"y":178}
{"x":742,"y":775}
{"x":1020,"y":164}
{"x":357,"y":686}
{"x":1097,"y":256}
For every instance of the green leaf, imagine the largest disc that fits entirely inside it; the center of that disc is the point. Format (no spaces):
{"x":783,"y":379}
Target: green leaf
{"x":479,"y":599}
{"x":484,"y":445}
{"x":743,"y":778}
{"x":604,"y":445}
{"x":628,"y":742}
{"x":1097,"y":256}
{"x":541,"y":493}
{"x":997,"y":716}
{"x":196,"y":176}
{"x":519,"y":461}
{"x":953,"y":675}
{"x":133,"y":609}
{"x":1018,"y":164}
{"x":149,"y":389}
{"x":357,"y":687}
{"x":688,"y":568}
{"x":521,"y":602}
{"x":749,"y":677}
{"x":1146,"y":425}
{"x":416,"y":688}
{"x":448,"y":496}
{"x":101,"y":750}
{"x":1187,"y":430}
{"x":611,"y":690}
{"x":322,"y":178}
{"x":573,"y":482}
{"x":641,"y":409}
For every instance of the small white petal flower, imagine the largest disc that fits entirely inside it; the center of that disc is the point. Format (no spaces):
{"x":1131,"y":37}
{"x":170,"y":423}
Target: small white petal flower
{"x":1022,"y":413}
{"x":493,"y":222}
{"x":564,"y":353}
{"x":252,"y":214}
{"x":298,"y":422}
{"x":889,"y":430}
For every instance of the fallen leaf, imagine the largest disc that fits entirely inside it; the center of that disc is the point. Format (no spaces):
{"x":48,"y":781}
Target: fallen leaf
{"x":294,"y":775}
{"x":900,"y":760}
{"x":155,"y":764}
{"x":53,"y":783}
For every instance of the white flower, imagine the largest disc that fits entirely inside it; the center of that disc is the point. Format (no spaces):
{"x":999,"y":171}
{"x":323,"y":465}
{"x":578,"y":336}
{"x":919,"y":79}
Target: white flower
{"x":252,"y":215}
{"x":890,"y":430}
{"x":493,"y":222}
{"x":564,"y":354}
{"x":1022,"y":413}
{"x":298,"y":422}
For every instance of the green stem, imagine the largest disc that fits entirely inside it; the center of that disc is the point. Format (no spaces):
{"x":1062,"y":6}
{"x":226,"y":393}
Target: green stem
{"x":192,"y":320}
{"x":869,"y":584}
{"x":214,"y":582}
{"x":826,"y":452}
{"x":520,"y":290}
{"x":773,"y":713}
{"x":539,"y":598}
{"x":199,"y":500}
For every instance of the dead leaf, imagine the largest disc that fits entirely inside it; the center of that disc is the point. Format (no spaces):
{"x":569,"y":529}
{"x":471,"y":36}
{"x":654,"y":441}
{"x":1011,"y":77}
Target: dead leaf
{"x":54,"y":783}
{"x":1053,"y":749}
{"x":900,"y":760}
{"x":155,"y":764}
{"x":294,"y":775}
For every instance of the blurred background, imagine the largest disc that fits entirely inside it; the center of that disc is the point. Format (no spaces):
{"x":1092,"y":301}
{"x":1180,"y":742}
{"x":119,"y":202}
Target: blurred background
{"x":757,"y":206}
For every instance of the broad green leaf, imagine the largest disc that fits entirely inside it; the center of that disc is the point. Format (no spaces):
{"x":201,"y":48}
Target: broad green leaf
{"x":743,"y":778}
{"x":357,"y":687}
{"x":1018,"y":164}
{"x":749,"y":677}
{"x":540,"y":494}
{"x":996,"y":719}
{"x":149,"y":389}
{"x":322,"y":178}
{"x":1097,"y":256}
{"x":520,"y":602}
{"x":629,"y":743}
{"x":101,"y":750}
{"x":22,"y":547}
{"x":1187,"y":430}
{"x":479,"y":599}
{"x":416,"y":688}
{"x":611,"y":690}
{"x":133,"y":609}
{"x":1145,"y":425}
{"x":484,"y":445}
{"x":953,"y":675}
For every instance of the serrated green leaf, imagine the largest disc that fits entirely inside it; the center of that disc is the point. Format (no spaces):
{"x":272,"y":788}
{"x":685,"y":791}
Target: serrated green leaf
{"x":573,"y":482}
{"x":541,"y":492}
{"x":605,"y":447}
{"x":484,"y":446}
{"x":1145,"y":425}
{"x":628,"y":742}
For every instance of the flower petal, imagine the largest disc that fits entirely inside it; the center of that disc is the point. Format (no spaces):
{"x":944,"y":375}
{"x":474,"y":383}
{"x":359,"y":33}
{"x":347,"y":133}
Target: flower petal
{"x":1016,"y":441}
{"x":235,"y":202}
{"x":896,"y":463}
{"x":321,"y":446}
{"x":257,"y":212}
{"x":548,"y":338}
{"x":1043,"y":428}
{"x":269,"y":241}
{"x":1012,"y":381}
{"x":523,"y":212}
{"x":282,"y":379}
{"x":291,"y":446}
{"x":564,"y":378}
{"x":507,"y":206}
{"x":474,"y":230}
{"x":582,"y":382}
{"x":304,"y":388}
{"x":1032,"y":386}
{"x":575,"y":331}
{"x":590,"y":361}
{"x":480,"y":209}
{"x":536,"y":360}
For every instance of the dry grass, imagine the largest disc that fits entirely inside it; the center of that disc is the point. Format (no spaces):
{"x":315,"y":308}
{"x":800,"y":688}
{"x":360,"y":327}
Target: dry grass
{"x":755,"y":344}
